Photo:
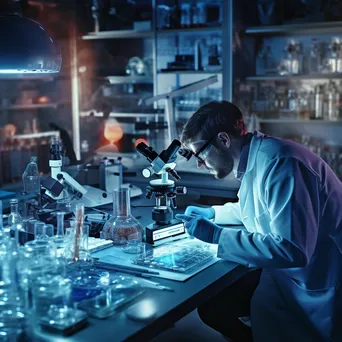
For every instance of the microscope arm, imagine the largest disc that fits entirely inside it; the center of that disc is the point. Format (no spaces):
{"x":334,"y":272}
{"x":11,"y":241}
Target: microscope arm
{"x":64,"y":177}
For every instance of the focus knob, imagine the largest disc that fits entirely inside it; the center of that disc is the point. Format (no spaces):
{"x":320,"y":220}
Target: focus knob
{"x":148,"y":172}
{"x":181,"y":190}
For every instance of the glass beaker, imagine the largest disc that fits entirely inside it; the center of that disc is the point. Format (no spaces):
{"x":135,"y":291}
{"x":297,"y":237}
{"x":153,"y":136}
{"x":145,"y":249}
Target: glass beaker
{"x":123,"y":228}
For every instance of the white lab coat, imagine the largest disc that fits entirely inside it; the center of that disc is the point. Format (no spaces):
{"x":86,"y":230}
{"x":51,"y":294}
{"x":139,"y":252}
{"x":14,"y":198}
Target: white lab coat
{"x":290,"y":203}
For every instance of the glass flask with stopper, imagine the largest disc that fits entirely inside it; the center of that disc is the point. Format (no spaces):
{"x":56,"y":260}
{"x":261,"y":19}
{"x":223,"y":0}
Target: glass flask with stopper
{"x":123,"y":228}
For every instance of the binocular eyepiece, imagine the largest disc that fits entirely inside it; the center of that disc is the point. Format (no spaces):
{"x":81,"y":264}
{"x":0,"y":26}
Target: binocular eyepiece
{"x":167,"y":156}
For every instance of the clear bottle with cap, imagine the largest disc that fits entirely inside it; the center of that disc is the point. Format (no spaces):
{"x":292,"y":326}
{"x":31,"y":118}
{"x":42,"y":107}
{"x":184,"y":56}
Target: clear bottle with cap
{"x":319,"y":104}
{"x":314,"y":57}
{"x":332,"y":99}
{"x":123,"y":228}
{"x":31,"y":183}
{"x":15,"y":221}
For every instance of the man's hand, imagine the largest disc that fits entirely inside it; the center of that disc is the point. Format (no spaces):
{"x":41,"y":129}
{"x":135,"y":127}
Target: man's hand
{"x":201,"y":228}
{"x":208,"y":213}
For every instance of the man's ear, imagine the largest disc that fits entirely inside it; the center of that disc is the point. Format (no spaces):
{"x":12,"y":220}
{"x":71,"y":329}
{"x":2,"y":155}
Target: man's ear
{"x":224,"y":139}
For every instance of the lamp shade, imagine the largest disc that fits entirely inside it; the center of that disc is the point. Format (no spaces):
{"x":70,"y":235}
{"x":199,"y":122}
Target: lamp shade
{"x":25,"y":47}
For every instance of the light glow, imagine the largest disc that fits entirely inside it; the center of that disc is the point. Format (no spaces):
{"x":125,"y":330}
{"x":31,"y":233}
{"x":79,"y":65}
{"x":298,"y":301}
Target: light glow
{"x":113,"y":131}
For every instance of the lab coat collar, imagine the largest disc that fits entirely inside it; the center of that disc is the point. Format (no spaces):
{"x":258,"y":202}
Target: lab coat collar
{"x":254,"y":148}
{"x":241,"y":169}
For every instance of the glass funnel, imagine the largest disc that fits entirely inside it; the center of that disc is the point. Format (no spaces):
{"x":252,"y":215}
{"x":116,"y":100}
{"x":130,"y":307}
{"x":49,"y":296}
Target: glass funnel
{"x":123,"y":228}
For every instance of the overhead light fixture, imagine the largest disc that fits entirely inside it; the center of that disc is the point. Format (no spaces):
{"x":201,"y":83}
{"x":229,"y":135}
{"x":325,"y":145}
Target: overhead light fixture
{"x":26,"y":47}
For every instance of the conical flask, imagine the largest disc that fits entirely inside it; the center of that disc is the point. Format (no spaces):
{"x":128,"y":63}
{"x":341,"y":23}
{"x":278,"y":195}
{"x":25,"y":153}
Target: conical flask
{"x":123,"y":228}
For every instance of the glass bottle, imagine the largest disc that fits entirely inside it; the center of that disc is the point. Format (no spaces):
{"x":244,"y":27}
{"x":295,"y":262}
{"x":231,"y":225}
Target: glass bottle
{"x":123,"y":228}
{"x":270,"y":64}
{"x":31,"y":182}
{"x":333,"y":62}
{"x":31,"y":178}
{"x":60,"y":223}
{"x":292,"y":100}
{"x":15,"y":221}
{"x":314,"y":58}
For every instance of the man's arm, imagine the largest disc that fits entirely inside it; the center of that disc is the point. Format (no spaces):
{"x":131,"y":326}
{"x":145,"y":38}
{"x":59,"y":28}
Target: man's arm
{"x":228,"y":214}
{"x":292,"y":199}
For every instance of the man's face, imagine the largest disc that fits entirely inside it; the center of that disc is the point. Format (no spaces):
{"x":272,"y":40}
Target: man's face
{"x":216,"y":159}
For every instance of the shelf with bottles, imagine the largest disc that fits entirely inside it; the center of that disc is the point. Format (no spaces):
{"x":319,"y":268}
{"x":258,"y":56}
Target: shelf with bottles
{"x":186,"y":17}
{"x":300,"y":62}
{"x":319,"y":102}
{"x":298,"y":121}
{"x":190,"y":30}
{"x":297,"y":29}
{"x":190,"y":55}
{"x":118,"y":34}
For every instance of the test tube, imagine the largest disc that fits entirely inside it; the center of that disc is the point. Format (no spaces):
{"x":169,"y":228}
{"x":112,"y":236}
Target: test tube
{"x":60,"y":223}
{"x":78,"y":226}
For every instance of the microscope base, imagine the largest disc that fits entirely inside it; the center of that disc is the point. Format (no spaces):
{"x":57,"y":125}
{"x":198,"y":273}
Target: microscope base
{"x":160,"y":234}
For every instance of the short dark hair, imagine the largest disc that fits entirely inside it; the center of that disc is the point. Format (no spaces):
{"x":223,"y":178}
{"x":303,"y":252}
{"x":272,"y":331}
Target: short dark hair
{"x":213,"y":118}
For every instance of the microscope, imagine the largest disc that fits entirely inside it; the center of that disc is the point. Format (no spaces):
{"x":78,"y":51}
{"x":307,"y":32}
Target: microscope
{"x":165,"y":227}
{"x":60,"y":180}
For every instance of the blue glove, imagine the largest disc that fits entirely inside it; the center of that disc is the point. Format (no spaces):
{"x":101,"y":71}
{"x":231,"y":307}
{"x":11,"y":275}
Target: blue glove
{"x":208,"y":213}
{"x":201,"y":228}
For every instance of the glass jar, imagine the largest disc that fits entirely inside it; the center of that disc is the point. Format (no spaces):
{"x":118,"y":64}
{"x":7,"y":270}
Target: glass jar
{"x":123,"y":228}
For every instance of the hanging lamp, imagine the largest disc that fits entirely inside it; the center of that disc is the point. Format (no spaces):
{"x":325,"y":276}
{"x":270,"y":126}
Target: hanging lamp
{"x":26,"y":47}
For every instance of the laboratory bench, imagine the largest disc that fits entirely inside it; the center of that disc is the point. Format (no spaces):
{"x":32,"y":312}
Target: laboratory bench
{"x":167,"y":307}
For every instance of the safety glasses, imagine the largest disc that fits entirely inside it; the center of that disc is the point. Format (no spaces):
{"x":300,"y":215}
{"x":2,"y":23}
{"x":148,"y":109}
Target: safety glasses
{"x":202,"y":152}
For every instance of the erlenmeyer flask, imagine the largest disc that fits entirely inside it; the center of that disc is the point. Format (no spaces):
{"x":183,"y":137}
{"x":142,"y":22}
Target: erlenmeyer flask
{"x":123,"y":228}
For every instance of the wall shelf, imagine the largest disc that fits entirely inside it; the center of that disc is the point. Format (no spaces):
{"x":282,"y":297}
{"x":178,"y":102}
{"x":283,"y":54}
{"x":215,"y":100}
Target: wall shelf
{"x":23,"y":77}
{"x":122,"y":114}
{"x":129,"y":79}
{"x":36,"y":135}
{"x":298,"y":121}
{"x":298,"y":29}
{"x":32,"y":106}
{"x":180,"y":72}
{"x":134,"y":115}
{"x":123,"y":34}
{"x":167,"y":32}
{"x":296,"y":77}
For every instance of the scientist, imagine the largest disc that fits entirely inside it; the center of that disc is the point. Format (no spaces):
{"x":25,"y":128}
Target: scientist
{"x":290,"y":216}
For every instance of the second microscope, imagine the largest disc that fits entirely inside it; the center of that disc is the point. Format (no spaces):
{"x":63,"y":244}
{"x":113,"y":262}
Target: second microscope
{"x":165,"y":227}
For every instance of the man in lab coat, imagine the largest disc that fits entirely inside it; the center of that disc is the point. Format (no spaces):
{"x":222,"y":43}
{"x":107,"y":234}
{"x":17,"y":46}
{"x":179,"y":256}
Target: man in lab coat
{"x":290,"y":214}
